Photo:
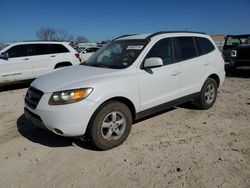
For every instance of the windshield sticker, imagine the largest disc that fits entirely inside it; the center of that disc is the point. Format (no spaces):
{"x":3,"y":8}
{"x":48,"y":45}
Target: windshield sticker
{"x":135,"y":47}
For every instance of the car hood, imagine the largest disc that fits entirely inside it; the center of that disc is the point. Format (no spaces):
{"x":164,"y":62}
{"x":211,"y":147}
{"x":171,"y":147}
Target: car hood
{"x":243,"y":46}
{"x":71,"y":78}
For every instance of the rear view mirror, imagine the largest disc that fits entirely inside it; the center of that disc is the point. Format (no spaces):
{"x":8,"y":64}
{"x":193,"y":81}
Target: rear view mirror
{"x":153,"y":62}
{"x":4,"y":55}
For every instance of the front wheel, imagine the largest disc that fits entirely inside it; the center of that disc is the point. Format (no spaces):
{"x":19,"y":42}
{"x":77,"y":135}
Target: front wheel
{"x":208,"y":95}
{"x":110,"y":125}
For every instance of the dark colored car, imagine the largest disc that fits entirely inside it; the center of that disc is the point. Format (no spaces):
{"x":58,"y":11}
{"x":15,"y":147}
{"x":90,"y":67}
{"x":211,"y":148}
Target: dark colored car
{"x":236,"y":50}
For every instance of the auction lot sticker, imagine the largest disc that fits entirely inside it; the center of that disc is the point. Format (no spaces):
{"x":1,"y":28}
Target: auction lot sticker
{"x":135,"y":47}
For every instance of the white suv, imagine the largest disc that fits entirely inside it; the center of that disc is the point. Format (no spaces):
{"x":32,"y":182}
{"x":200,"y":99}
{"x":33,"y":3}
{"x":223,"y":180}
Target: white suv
{"x":28,"y":60}
{"x":87,"y":53}
{"x":132,"y":77}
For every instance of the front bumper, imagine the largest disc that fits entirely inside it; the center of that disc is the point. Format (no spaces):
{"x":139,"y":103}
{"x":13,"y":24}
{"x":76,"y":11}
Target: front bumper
{"x":65,"y":120}
{"x":239,"y":62}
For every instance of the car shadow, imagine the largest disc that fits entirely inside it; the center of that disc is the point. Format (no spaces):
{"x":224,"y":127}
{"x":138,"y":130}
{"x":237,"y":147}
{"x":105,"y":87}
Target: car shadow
{"x":47,"y":138}
{"x":239,"y":72}
{"x":15,"y":86}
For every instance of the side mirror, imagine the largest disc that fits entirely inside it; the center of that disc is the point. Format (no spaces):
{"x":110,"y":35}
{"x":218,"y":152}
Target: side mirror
{"x":153,"y":62}
{"x":4,"y":55}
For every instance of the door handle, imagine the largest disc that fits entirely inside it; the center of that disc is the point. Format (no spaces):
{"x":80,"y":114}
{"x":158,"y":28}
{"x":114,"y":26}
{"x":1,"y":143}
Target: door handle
{"x":25,"y":59}
{"x":53,"y":56}
{"x":206,"y":63}
{"x":175,"y":73}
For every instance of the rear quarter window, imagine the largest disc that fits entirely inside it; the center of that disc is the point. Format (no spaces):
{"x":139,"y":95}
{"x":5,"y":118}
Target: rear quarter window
{"x":204,"y":46}
{"x":59,"y":48}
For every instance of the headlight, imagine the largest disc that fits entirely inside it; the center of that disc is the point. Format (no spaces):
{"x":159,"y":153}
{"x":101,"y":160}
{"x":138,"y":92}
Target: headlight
{"x":69,"y":96}
{"x":233,"y":53}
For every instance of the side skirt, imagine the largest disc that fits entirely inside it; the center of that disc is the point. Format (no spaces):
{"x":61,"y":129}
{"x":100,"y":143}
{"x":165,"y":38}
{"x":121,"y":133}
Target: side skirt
{"x":165,"y":106}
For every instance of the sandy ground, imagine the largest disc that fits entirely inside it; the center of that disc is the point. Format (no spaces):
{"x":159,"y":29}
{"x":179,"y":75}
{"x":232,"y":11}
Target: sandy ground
{"x":182,"y":147}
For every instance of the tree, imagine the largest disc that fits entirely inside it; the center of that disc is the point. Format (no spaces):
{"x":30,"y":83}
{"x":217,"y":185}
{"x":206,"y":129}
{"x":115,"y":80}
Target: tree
{"x":62,"y":35}
{"x":46,"y":33}
{"x":51,"y":34}
{"x":81,"y":39}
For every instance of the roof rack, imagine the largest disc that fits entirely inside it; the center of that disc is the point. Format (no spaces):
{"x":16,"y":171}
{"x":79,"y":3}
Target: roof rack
{"x":166,"y":32}
{"x":123,"y":36}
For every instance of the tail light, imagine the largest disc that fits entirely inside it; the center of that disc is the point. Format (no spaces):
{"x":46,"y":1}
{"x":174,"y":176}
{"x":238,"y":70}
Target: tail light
{"x":78,"y":56}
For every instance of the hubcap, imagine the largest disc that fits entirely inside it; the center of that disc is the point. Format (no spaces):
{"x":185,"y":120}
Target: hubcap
{"x":209,"y":94}
{"x":113,"y":126}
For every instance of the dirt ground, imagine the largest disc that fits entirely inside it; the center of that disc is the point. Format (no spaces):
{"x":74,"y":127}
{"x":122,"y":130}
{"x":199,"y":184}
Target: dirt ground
{"x":182,"y":147}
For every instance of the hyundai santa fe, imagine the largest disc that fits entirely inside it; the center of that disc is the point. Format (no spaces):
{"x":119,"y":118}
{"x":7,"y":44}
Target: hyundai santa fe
{"x":131,"y":77}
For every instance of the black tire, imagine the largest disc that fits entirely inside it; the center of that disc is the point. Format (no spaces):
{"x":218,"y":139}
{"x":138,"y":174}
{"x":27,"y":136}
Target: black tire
{"x":104,"y":130}
{"x":208,"y":95}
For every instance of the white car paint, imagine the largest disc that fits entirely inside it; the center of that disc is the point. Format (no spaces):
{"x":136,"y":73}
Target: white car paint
{"x":32,"y":66}
{"x":145,"y":88}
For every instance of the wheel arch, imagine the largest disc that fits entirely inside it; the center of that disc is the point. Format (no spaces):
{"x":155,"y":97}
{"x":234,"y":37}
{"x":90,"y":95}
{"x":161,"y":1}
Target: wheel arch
{"x":216,"y":78}
{"x":62,"y":64}
{"x":121,"y":99}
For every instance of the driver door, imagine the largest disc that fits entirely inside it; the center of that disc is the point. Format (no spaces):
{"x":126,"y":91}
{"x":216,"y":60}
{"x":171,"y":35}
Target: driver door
{"x":17,"y":66}
{"x":161,"y":84}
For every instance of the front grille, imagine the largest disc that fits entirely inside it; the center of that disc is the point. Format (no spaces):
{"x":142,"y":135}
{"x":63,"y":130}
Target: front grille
{"x":33,"y":97}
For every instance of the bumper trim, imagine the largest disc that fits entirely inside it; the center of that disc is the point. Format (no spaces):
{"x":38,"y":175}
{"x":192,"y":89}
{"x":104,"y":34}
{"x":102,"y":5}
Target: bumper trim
{"x":34,"y":119}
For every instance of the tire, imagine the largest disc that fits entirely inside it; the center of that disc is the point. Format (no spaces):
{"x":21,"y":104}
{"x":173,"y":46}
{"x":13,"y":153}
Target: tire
{"x":110,"y":125}
{"x":208,"y":95}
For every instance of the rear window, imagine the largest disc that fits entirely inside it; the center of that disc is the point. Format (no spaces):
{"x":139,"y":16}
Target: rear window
{"x":204,"y":46}
{"x":186,"y":48}
{"x":58,"y":48}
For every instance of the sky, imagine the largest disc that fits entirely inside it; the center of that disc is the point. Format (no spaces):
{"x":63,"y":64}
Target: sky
{"x":104,"y":20}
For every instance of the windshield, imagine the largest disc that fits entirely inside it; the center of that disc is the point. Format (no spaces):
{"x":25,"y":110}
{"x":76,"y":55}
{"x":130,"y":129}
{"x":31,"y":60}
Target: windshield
{"x":236,"y":40}
{"x":3,"y":46}
{"x":118,"y":54}
{"x":247,"y":41}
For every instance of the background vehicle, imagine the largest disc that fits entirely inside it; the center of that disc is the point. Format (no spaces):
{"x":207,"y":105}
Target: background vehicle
{"x":86,"y":53}
{"x":28,"y":60}
{"x":130,"y":78}
{"x":231,"y":42}
{"x":240,"y":55}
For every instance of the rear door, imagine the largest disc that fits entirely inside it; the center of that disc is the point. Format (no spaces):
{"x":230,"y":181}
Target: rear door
{"x":42,"y":59}
{"x":192,"y":68}
{"x":18,"y":66}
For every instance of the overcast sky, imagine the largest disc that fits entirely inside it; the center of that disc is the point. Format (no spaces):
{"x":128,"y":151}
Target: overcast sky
{"x":101,"y":20}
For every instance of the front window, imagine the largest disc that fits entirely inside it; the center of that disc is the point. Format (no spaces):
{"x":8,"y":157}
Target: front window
{"x":118,"y":54}
{"x":247,"y":41}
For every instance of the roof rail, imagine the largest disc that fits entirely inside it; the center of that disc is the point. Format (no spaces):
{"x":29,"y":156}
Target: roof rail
{"x":123,"y":36}
{"x":166,"y":32}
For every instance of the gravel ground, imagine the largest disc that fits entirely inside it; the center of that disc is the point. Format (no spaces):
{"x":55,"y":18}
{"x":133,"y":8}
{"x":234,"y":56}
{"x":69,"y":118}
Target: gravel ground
{"x":181,"y":147}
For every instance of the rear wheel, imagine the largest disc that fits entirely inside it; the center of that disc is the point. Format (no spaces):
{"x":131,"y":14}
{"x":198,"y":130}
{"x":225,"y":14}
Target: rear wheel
{"x":208,"y":94}
{"x":110,"y":125}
